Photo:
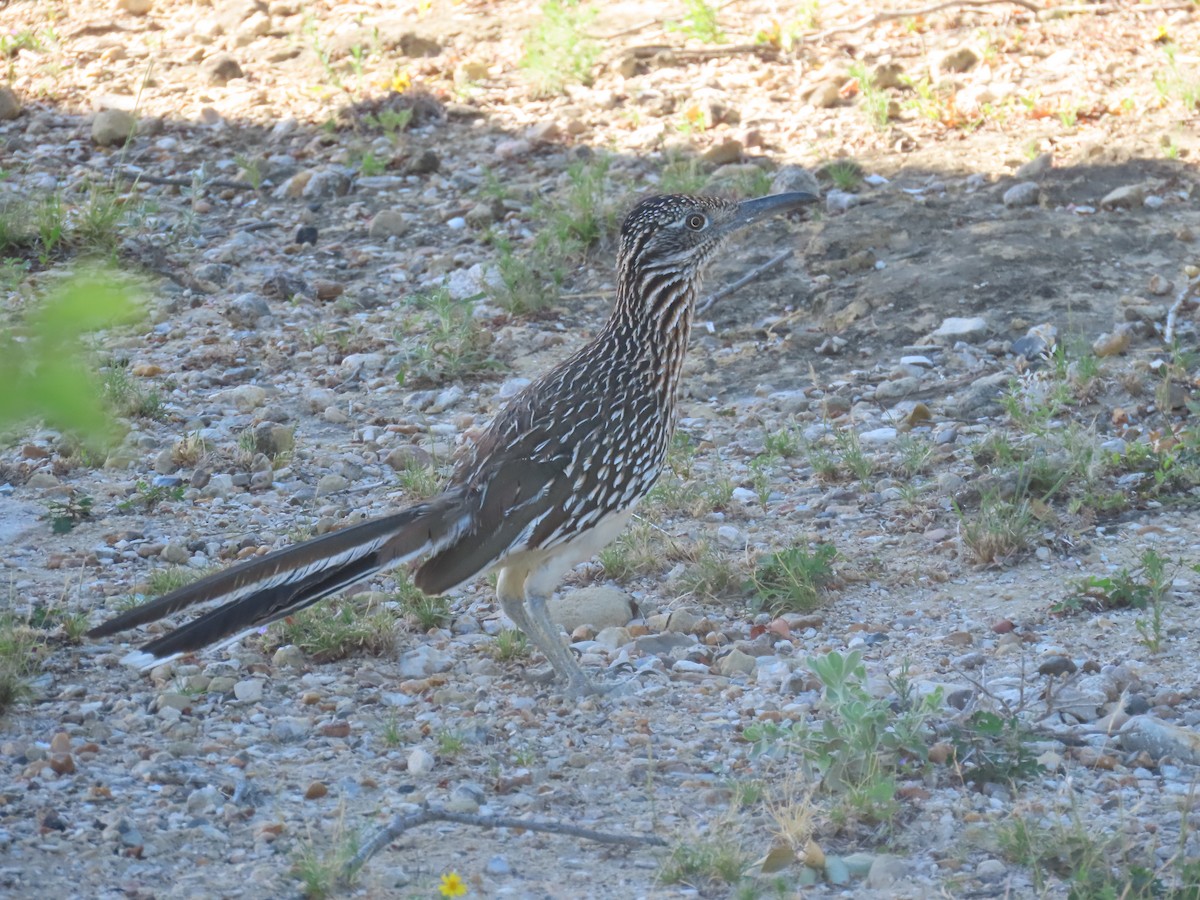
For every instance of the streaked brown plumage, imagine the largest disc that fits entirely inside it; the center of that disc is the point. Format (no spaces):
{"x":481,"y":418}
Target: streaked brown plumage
{"x":554,"y":478}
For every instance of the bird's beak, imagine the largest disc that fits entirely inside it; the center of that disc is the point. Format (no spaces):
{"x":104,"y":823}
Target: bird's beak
{"x":751,"y":211}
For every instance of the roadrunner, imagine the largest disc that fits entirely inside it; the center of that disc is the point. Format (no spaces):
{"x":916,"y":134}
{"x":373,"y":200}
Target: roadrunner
{"x":553,"y":479}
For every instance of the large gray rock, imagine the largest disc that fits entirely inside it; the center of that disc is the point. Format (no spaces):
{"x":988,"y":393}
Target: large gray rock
{"x":601,"y":606}
{"x":112,"y":126}
{"x":1159,"y":738}
{"x":10,"y":105}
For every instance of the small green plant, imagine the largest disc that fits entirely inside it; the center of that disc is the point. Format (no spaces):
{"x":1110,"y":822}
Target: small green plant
{"x":321,"y":865}
{"x":993,"y":748}
{"x":875,"y":100}
{"x":163,"y":581}
{"x":527,"y":283}
{"x":707,"y":862}
{"x":862,"y":743}
{"x":450,"y":345}
{"x":699,"y":22}
{"x":310,"y":30}
{"x":98,"y":221}
{"x":392,"y":735}
{"x":585,"y":212}
{"x":50,"y":220}
{"x":712,"y":573}
{"x":336,"y":630}
{"x":426,"y":611}
{"x":682,"y":174}
{"x":511,"y":645}
{"x":1095,"y":866}
{"x":640,"y":550}
{"x":1145,"y":586}
{"x":915,"y":453}
{"x":390,"y":121}
{"x":577,"y":217}
{"x":66,"y":514}
{"x":793,"y":580}
{"x":420,"y":480}
{"x":13,"y":271}
{"x":251,"y":169}
{"x":784,"y":443}
{"x":762,"y":470}
{"x":999,"y":531}
{"x":22,"y":649}
{"x":846,"y":174}
{"x":450,"y":743}
{"x":148,"y":497}
{"x":558,"y":50}
{"x":1175,"y":84}
{"x":126,"y":397}
{"x":853,"y":457}
{"x":369,"y":164}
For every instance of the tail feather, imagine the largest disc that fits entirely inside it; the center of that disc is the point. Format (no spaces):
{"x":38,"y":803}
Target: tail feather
{"x":270,"y":587}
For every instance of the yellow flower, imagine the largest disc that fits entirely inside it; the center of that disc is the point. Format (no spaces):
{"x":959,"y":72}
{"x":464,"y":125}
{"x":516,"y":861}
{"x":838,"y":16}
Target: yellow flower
{"x":452,"y":886}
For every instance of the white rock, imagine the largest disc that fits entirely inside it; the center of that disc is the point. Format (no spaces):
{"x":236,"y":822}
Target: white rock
{"x":420,"y":761}
{"x":956,"y":328}
{"x":248,"y":691}
{"x":423,"y":661}
{"x":878,"y":436}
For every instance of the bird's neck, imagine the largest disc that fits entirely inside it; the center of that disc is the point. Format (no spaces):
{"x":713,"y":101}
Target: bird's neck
{"x":651,"y":320}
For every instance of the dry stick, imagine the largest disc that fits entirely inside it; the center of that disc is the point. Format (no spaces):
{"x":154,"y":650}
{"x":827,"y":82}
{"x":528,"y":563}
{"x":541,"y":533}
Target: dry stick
{"x":1173,"y":312}
{"x":134,"y":175}
{"x":875,"y":19}
{"x":402,"y":823}
{"x":743,"y":281}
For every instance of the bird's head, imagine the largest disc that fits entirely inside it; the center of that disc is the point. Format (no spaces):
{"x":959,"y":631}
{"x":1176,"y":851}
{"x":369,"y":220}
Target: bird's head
{"x":679,"y":234}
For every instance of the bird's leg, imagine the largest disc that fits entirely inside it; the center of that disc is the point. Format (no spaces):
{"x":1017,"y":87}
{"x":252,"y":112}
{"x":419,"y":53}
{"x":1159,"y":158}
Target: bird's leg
{"x":560,"y":657}
{"x":511,"y":592}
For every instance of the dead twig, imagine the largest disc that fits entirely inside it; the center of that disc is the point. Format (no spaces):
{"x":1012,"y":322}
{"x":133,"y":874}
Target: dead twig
{"x":405,"y":821}
{"x":134,"y":175}
{"x":1173,"y":312}
{"x":743,"y":281}
{"x":876,"y":18}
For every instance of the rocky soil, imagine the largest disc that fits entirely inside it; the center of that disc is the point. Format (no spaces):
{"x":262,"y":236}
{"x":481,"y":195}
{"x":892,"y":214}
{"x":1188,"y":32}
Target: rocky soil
{"x":998,"y":182}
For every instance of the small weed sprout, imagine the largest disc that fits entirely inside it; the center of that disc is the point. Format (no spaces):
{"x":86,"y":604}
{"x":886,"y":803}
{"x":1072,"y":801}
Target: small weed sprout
{"x":793,"y":580}
{"x":874,"y":100}
{"x":336,"y":630}
{"x":452,"y":345}
{"x":511,"y":645}
{"x":699,"y":22}
{"x":558,"y":51}
{"x":1000,"y":530}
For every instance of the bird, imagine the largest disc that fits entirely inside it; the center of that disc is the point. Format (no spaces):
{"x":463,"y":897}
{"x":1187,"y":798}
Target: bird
{"x":553,"y":479}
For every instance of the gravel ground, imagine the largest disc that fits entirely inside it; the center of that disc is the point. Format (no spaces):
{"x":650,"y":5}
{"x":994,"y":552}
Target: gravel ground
{"x":1035,"y":183}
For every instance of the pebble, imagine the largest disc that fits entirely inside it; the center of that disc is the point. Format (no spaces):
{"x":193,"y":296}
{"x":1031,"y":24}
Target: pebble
{"x":387,"y":223}
{"x":956,"y":328}
{"x":423,"y":661}
{"x":112,"y":127}
{"x":1024,"y":194}
{"x":420,"y":762}
{"x":10,"y":104}
{"x":248,"y":691}
{"x":331,"y":484}
{"x":1123,"y":197}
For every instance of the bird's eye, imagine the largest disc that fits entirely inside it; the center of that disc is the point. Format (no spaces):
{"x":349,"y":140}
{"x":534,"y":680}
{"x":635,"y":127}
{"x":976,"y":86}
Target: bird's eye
{"x":696,"y":221}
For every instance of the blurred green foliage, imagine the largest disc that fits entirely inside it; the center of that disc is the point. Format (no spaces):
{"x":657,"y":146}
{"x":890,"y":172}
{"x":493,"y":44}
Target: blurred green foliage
{"x":45,"y":371}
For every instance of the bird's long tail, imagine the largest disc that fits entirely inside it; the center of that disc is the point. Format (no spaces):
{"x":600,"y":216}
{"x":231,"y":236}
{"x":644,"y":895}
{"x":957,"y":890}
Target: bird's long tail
{"x":286,"y":581}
